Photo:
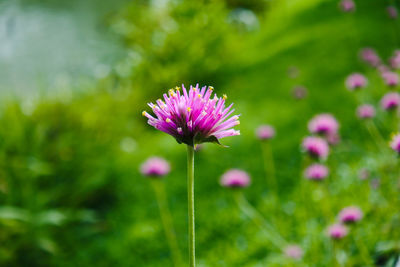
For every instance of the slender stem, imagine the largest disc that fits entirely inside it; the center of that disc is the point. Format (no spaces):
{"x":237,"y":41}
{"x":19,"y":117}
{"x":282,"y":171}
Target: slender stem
{"x":190,"y":175}
{"x":269,"y":166}
{"x":259,"y":220}
{"x":166,"y":218}
{"x":374,"y":132}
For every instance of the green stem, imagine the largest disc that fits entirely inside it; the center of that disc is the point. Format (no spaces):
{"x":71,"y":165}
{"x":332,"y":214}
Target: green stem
{"x":259,"y":220}
{"x":269,"y":166}
{"x":374,"y":132}
{"x":166,"y":218}
{"x":190,"y":175}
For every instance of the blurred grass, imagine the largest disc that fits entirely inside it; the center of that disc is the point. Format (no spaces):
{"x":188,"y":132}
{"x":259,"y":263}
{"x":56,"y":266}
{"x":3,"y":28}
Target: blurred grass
{"x":74,"y":160}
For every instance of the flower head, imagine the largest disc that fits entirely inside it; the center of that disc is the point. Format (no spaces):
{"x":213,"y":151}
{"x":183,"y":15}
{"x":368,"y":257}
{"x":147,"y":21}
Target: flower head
{"x":293,"y":251}
{"x":395,"y":143}
{"x":347,"y":5}
{"x":316,"y":147}
{"x":316,"y":171}
{"x":323,"y":124}
{"x":392,"y":12}
{"x":355,"y":81}
{"x":370,"y":56}
{"x":235,"y":178}
{"x":390,"y":101}
{"x":299,"y":92}
{"x":350,"y":214}
{"x":337,"y":231}
{"x":155,"y":167}
{"x":193,"y":117}
{"x":265,"y":132}
{"x":366,"y":111}
{"x":391,"y":78}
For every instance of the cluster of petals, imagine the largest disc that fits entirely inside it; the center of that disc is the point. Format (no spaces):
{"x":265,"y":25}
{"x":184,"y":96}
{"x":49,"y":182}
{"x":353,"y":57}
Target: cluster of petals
{"x":392,"y":12}
{"x":390,"y":101}
{"x":293,"y":252}
{"x":155,"y":167}
{"x":347,"y":5}
{"x":323,"y":124}
{"x":366,"y":111}
{"x":235,"y":178}
{"x":316,"y":147}
{"x":395,"y":143}
{"x":390,"y":78}
{"x":316,"y":171}
{"x":370,"y":56}
{"x":350,"y":214}
{"x":337,"y":231}
{"x":265,"y":132}
{"x":193,"y":116}
{"x":356,"y":81}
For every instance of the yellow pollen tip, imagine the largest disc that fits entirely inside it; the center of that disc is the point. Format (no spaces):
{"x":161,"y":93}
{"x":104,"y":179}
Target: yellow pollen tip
{"x":189,"y":109}
{"x":177,"y":88}
{"x":199,"y":95}
{"x":144,"y":113}
{"x":237,"y":122}
{"x":224,"y":96}
{"x":168,"y":120}
{"x":210,"y":88}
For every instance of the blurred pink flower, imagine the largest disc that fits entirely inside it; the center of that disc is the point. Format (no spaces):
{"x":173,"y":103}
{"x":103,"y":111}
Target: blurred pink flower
{"x":391,"y":78}
{"x":265,"y":132}
{"x":155,"y":167}
{"x":337,"y":231}
{"x":366,"y":111}
{"x":355,"y":81}
{"x":395,"y":143}
{"x":299,"y":92}
{"x":235,"y":178}
{"x":395,"y":60}
{"x":370,"y":56}
{"x":347,"y":5}
{"x":392,"y":12}
{"x":193,"y":117}
{"x":294,"y":252}
{"x":390,"y":101}
{"x":323,"y":124}
{"x":316,"y":147}
{"x":363,"y":174}
{"x":350,"y":214}
{"x":316,"y":171}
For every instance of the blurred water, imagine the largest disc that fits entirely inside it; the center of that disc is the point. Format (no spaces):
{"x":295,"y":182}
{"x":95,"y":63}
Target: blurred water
{"x":49,"y":48}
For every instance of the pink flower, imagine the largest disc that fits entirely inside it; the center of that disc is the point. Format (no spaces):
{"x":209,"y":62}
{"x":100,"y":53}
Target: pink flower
{"x":316,"y":147}
{"x":392,"y":12}
{"x":299,"y":92}
{"x":316,"y":171}
{"x":155,"y":167}
{"x":363,"y":174}
{"x":235,"y":178}
{"x":350,"y":214}
{"x":294,"y":252}
{"x":347,"y":5}
{"x":390,"y":78}
{"x":265,"y":132}
{"x":370,"y":56}
{"x":395,"y":143}
{"x":337,"y":231}
{"x":390,"y":101}
{"x":193,"y":117}
{"x":355,"y":81}
{"x":366,"y":111}
{"x":323,"y":124}
{"x":395,"y":60}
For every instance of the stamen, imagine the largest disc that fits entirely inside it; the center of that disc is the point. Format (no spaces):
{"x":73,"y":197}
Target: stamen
{"x":167,"y":120}
{"x":189,"y":109}
{"x":224,"y":96}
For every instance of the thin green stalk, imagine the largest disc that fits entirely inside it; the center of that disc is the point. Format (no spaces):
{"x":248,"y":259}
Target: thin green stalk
{"x":259,"y":220}
{"x":269,"y":166}
{"x":166,"y":218}
{"x":190,"y":175}
{"x":374,"y":132}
